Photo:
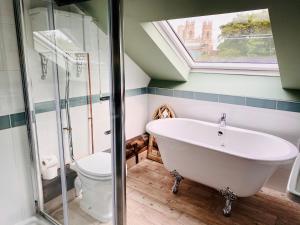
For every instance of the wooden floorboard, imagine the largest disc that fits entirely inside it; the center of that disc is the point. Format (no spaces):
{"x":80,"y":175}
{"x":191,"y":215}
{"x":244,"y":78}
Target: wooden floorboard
{"x":151,"y":202}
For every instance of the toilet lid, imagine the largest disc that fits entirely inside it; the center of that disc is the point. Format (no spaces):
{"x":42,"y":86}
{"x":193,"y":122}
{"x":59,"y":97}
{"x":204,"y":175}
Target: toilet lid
{"x":98,"y":164}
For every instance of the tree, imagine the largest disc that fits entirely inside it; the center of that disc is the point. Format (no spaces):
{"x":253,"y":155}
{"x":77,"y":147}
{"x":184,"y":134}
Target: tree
{"x":247,"y":35}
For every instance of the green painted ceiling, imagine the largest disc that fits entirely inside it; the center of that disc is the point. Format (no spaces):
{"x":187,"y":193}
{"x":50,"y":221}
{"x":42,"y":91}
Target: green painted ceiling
{"x":285,"y":18}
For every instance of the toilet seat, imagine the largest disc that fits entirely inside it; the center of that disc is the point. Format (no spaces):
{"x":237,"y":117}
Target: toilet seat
{"x":96,"y":166}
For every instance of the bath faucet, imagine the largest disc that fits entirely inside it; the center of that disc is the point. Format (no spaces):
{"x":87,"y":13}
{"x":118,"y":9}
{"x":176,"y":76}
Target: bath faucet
{"x":223,"y":120}
{"x":222,"y":124}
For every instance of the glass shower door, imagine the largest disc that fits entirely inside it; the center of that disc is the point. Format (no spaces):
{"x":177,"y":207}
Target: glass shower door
{"x":86,"y":116}
{"x":68,"y":72}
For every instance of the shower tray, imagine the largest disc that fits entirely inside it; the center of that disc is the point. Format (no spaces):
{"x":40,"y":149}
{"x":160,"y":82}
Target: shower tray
{"x":33,"y":221}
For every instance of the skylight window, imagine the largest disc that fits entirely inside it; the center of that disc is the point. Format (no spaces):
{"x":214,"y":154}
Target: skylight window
{"x":236,"y":41}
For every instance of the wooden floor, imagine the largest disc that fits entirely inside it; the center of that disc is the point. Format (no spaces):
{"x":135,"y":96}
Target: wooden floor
{"x":151,"y":202}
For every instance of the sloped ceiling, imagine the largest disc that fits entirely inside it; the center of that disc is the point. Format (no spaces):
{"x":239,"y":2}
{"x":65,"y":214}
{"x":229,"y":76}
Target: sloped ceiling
{"x":285,"y":17}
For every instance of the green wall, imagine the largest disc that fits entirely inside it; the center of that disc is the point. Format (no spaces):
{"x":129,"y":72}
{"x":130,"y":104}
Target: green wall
{"x":182,"y":68}
{"x":285,"y":19}
{"x":239,"y":85}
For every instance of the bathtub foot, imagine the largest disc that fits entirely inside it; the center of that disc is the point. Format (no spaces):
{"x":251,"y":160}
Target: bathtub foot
{"x":178,"y":179}
{"x":229,"y":198}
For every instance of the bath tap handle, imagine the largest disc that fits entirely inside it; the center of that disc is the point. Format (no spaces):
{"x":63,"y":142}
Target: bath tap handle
{"x":222,"y":120}
{"x":223,"y":116}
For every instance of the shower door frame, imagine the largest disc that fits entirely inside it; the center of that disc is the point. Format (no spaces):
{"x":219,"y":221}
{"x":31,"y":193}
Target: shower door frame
{"x":117,"y":112}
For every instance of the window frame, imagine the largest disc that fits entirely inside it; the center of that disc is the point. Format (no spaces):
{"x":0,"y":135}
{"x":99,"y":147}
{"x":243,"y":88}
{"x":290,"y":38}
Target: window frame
{"x":170,"y":36}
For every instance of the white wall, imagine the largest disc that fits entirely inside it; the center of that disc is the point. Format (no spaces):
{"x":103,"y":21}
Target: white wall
{"x":280,"y":123}
{"x":96,"y":44}
{"x":16,"y":194}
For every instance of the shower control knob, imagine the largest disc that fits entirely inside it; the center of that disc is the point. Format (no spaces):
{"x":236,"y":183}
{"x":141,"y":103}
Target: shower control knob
{"x":107,"y":132}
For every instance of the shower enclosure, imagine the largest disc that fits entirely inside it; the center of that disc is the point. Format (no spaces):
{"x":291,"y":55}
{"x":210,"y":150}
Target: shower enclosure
{"x":71,"y":58}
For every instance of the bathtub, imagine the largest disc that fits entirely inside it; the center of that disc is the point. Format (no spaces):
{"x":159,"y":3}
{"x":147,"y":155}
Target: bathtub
{"x":239,"y":159}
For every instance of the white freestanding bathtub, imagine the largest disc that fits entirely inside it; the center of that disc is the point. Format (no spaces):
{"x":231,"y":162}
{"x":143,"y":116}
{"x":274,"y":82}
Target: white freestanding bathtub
{"x":239,"y":159}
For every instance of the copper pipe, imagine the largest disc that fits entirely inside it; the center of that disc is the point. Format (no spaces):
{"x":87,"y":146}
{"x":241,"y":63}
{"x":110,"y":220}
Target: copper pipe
{"x":90,"y":102}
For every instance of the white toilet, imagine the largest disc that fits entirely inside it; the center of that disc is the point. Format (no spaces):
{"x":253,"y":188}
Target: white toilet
{"x":94,"y":172}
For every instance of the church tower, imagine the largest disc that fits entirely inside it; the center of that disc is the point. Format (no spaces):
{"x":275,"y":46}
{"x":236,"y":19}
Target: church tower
{"x":206,"y":38}
{"x":187,"y":31}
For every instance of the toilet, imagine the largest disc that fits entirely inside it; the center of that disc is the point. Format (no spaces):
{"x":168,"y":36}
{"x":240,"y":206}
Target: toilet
{"x":95,"y":178}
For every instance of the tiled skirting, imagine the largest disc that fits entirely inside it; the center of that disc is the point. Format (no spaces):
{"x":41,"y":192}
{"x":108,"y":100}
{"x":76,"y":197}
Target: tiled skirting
{"x":18,"y":119}
{"x":83,"y":100}
{"x":291,"y":106}
{"x":12,"y":120}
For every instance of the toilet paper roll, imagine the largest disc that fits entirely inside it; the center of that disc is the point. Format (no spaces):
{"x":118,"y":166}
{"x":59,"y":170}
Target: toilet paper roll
{"x":49,"y":161}
{"x":49,"y":167}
